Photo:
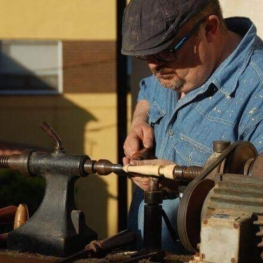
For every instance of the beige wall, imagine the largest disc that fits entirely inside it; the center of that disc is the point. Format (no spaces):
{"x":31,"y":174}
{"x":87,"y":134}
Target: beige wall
{"x":252,"y":9}
{"x":64,"y":19}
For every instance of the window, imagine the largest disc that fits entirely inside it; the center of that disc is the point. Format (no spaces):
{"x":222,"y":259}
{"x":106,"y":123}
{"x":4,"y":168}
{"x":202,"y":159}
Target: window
{"x":30,"y":67}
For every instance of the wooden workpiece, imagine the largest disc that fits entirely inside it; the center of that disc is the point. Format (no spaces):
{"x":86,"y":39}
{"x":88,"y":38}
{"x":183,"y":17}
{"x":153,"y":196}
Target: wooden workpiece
{"x":151,"y":170}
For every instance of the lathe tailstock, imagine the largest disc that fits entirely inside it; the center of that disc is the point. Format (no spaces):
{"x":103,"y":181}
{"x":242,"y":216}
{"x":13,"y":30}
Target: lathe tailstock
{"x":57,"y":228}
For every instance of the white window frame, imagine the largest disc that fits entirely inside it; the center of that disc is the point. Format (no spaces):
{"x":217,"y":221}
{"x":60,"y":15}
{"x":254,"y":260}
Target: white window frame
{"x":59,"y":89}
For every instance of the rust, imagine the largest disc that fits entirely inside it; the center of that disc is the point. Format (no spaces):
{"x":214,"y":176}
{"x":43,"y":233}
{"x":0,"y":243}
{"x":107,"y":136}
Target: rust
{"x":258,"y":221}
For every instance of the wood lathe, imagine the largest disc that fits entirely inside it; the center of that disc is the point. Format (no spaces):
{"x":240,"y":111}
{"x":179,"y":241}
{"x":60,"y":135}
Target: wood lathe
{"x":220,"y":216}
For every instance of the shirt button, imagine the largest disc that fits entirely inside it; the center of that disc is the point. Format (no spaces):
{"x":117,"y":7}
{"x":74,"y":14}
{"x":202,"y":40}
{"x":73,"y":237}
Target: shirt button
{"x":171,"y":132}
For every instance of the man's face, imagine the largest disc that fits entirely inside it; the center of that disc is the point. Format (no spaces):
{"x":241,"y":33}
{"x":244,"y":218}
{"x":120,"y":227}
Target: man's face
{"x":193,"y":66}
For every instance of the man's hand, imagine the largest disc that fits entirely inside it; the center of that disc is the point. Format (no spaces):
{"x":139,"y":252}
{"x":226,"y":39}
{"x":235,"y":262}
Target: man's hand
{"x":140,"y":135}
{"x":141,"y":141}
{"x":142,"y":181}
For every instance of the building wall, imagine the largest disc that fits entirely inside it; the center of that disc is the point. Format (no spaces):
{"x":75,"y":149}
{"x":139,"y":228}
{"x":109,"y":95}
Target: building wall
{"x":84,"y":115}
{"x":66,"y":19}
{"x":251,"y":9}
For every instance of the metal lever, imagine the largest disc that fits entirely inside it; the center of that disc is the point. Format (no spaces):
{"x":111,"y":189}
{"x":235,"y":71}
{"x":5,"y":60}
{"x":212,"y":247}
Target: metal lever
{"x":46,"y":127}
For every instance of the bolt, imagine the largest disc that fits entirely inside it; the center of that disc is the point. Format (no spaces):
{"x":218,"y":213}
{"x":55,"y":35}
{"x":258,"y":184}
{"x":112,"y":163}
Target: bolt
{"x":233,"y":260}
{"x":236,"y":226}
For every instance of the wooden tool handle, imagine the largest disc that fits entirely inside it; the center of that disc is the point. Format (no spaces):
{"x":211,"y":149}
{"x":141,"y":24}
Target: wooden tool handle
{"x":122,"y":238}
{"x":100,"y":247}
{"x":21,"y":215}
{"x":7,"y":214}
{"x":144,"y":154}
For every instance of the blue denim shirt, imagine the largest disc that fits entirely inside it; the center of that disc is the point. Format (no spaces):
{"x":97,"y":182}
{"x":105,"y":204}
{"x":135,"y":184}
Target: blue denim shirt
{"x":228,"y":106}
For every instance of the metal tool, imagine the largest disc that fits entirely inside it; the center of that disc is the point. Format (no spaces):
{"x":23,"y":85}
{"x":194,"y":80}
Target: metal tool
{"x":99,"y":248}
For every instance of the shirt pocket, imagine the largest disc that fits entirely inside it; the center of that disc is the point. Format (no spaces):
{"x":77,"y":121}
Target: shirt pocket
{"x":156,"y":114}
{"x":191,"y":152}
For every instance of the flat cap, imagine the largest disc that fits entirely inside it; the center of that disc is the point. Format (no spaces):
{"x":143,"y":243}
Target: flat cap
{"x":149,"y":26}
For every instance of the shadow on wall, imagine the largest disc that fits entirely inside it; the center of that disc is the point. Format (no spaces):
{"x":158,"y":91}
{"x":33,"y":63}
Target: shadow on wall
{"x":20,"y":117}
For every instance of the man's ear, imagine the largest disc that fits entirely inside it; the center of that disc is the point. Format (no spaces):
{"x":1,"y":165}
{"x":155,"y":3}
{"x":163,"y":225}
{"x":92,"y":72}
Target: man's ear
{"x":211,"y":27}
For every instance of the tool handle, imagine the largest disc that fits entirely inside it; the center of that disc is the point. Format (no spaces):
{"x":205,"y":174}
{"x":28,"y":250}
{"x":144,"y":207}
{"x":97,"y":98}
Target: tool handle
{"x":123,"y":238}
{"x":7,"y":214}
{"x":21,"y":215}
{"x":144,"y":154}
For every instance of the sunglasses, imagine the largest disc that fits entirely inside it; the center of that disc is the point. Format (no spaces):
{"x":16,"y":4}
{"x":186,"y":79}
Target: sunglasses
{"x":169,"y":55}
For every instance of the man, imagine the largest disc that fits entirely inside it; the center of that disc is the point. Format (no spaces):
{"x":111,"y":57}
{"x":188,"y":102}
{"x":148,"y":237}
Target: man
{"x":206,"y":85}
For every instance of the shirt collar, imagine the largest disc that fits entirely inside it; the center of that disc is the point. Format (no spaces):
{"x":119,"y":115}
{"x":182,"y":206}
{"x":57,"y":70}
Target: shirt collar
{"x":227,"y":74}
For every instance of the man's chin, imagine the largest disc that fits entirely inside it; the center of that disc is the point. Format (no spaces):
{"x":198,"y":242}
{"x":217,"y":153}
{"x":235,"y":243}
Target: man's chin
{"x":171,"y":84}
{"x":168,"y":85}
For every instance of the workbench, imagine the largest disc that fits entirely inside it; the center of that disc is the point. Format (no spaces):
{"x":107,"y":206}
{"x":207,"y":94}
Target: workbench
{"x":7,"y":256}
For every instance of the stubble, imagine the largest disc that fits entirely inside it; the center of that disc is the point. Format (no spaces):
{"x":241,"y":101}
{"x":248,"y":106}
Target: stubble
{"x":172,"y":82}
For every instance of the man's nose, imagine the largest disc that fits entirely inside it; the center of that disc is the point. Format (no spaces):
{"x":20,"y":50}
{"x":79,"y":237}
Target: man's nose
{"x":153,"y":62}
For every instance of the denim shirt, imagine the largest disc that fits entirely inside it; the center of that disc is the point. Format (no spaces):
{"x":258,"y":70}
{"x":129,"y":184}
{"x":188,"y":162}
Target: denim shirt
{"x":228,"y":106}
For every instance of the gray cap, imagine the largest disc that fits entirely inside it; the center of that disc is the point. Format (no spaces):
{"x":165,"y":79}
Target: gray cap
{"x":149,"y":26}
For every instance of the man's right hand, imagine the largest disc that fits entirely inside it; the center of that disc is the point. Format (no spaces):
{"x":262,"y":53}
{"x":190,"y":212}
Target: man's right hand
{"x":141,"y":133}
{"x":141,"y":136}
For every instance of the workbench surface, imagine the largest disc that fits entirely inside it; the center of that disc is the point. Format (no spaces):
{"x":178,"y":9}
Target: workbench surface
{"x":7,"y":256}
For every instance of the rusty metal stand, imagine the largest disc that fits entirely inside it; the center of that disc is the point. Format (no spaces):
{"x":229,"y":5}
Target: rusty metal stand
{"x":57,"y":228}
